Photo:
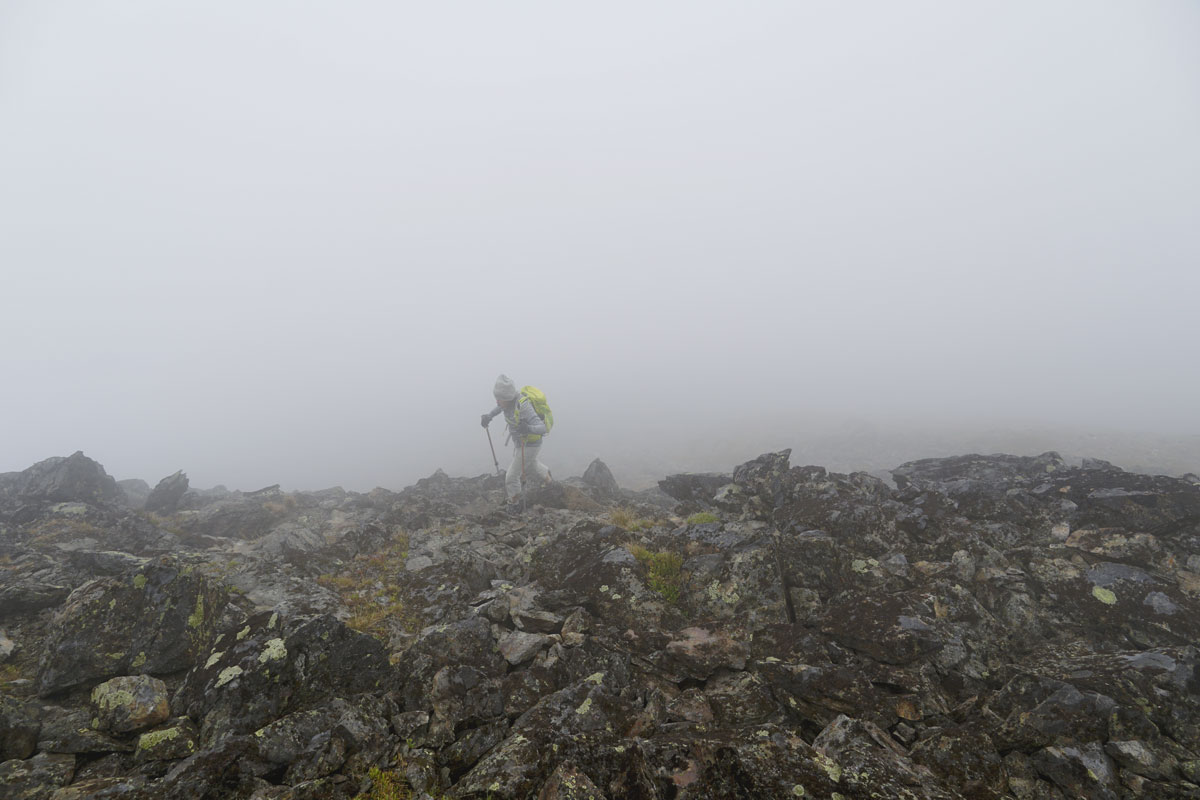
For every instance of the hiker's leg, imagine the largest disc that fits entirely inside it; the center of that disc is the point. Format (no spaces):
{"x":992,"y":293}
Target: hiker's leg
{"x":512,"y":478}
{"x":534,"y":465}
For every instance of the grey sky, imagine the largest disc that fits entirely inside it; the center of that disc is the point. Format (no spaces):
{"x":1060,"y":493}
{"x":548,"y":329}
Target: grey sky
{"x":280,"y":242}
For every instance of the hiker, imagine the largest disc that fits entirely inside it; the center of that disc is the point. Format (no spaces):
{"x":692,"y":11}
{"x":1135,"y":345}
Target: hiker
{"x":525,"y":430}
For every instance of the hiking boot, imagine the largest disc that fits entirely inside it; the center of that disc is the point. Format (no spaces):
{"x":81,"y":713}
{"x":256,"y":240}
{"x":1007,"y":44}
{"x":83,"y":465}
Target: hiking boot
{"x":513,"y":509}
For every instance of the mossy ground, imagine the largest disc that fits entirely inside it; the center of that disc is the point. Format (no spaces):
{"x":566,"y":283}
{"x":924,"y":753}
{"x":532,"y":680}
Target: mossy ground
{"x":628,"y":519}
{"x":369,"y":588}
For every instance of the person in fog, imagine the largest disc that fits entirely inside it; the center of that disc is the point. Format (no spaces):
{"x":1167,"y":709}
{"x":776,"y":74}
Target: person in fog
{"x":525,"y":432}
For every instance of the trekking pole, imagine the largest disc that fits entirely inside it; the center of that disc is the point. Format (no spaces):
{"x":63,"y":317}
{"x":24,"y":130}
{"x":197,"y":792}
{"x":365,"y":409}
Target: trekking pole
{"x":494,"y":459}
{"x":524,"y":500}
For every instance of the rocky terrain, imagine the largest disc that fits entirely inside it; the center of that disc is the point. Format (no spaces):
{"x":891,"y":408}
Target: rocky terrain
{"x":986,"y":627}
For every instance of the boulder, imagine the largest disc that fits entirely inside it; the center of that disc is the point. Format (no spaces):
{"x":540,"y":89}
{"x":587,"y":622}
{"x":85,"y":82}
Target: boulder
{"x":599,"y":478}
{"x":129,"y":703}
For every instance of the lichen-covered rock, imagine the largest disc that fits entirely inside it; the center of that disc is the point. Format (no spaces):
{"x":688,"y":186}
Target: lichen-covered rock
{"x":129,"y":703}
{"x":154,"y":620}
{"x":272,"y":667}
{"x":996,"y":626}
{"x":568,"y":782}
{"x":36,"y":777}
{"x":170,"y":742}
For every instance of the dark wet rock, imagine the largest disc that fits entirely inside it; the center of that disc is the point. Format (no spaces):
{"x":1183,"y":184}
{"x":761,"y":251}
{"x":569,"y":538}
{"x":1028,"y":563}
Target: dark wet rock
{"x":315,"y":743}
{"x":165,"y":497}
{"x":990,"y":626}
{"x":272,"y":667}
{"x":20,"y":725}
{"x":1082,"y":771}
{"x":70,"y":731}
{"x":27,"y":596}
{"x":155,"y":620}
{"x":697,"y":488}
{"x":231,"y":768}
{"x":129,"y":703}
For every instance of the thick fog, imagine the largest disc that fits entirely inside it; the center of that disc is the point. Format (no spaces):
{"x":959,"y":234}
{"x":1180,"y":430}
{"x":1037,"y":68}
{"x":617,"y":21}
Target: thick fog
{"x":296,"y":243}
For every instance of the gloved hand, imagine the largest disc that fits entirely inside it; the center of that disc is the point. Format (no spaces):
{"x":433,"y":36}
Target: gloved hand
{"x":522,"y":429}
{"x":485,"y":419}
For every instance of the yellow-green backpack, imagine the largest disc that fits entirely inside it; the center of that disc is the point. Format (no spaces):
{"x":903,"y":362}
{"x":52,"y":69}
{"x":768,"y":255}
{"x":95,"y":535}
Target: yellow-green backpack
{"x":537,"y":398}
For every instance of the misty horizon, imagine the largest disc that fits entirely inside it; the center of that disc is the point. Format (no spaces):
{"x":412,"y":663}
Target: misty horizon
{"x":278,"y":245}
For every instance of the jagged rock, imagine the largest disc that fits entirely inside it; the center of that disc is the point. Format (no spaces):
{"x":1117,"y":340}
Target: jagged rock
{"x":518,"y":647}
{"x":290,"y":541}
{"x":313,"y":744}
{"x":992,"y":626}
{"x":600,"y":479}
{"x":272,"y":667}
{"x":1140,"y":758}
{"x":468,"y":641}
{"x":35,"y":777}
{"x":694,"y":487}
{"x":154,"y":620}
{"x":165,"y":497}
{"x":130,"y":703}
{"x":74,"y":478}
{"x":1083,"y":771}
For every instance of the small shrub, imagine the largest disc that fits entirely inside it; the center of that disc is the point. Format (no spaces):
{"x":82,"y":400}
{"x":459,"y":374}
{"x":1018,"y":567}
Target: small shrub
{"x":702,"y":517}
{"x":386,"y":786}
{"x":664,"y":571}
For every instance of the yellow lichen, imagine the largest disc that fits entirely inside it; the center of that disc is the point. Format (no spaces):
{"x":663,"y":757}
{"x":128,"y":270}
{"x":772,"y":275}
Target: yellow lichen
{"x":196,"y":618}
{"x":228,"y":674}
{"x":214,"y":658}
{"x":1104,"y":595}
{"x":242,"y":633}
{"x":138,"y":660}
{"x":139,"y":581}
{"x":585,"y":706}
{"x":273,"y":651}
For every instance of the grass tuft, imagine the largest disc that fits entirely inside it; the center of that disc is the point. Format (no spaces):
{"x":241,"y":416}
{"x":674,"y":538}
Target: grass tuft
{"x":664,"y":571}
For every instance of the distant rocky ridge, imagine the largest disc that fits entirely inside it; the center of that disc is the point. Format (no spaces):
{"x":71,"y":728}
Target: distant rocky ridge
{"x":980,"y":627}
